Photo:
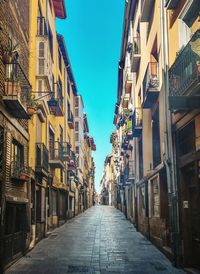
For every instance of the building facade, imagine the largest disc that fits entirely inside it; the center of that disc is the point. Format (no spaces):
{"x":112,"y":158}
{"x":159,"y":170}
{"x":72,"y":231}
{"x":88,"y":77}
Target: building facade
{"x":155,"y":144}
{"x":41,"y":179}
{"x":15,"y":173}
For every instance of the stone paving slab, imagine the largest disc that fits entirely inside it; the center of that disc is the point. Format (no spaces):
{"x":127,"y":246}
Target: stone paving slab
{"x":99,"y":241}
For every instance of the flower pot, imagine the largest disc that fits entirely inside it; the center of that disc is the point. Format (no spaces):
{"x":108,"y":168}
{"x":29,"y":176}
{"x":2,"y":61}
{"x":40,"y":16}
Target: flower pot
{"x":12,"y":88}
{"x":24,"y":177}
{"x":30,"y":110}
{"x":7,"y":57}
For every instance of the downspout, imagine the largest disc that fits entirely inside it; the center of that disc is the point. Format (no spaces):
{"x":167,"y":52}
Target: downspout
{"x":168,"y":141}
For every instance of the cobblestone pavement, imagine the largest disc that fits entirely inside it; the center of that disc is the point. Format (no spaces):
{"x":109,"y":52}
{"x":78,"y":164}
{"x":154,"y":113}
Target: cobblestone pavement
{"x":99,"y":241}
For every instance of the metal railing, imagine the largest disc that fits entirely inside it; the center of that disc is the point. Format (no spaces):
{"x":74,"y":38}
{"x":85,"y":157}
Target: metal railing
{"x":42,"y":156}
{"x":41,"y":26}
{"x":151,"y":78}
{"x":56,"y":151}
{"x":186,"y":69}
{"x":17,"y":83}
{"x":66,"y":151}
{"x":19,"y":169}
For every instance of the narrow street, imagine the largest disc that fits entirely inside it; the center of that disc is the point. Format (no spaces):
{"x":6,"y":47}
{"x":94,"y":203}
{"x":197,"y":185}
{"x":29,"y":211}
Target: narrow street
{"x":100,"y":240}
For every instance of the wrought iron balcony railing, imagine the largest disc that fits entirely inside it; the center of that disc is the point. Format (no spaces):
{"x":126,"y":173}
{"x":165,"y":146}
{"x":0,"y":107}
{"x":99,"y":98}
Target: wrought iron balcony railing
{"x":42,"y":26}
{"x":17,"y":90}
{"x":184,"y":75}
{"x":19,"y":171}
{"x":66,"y":151}
{"x":56,"y":159}
{"x":42,"y":157}
{"x":150,"y":85}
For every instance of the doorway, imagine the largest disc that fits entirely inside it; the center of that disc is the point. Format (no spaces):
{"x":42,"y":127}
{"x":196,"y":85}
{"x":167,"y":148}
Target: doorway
{"x":15,"y":231}
{"x":191,"y":215}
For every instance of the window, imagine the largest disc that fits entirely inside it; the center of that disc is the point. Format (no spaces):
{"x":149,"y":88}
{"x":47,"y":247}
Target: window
{"x":76,"y":126}
{"x":60,"y":90}
{"x":77,"y":150}
{"x":68,"y":110}
{"x":156,"y":137}
{"x":155,"y":198}
{"x":68,"y":88}
{"x":61,"y":134}
{"x":41,"y":60}
{"x":76,"y":112}
{"x":61,"y":175}
{"x":53,"y":90}
{"x":50,"y":36}
{"x":60,"y":60}
{"x":17,"y":152}
{"x":76,"y":137}
{"x":76,"y":102}
{"x":51,"y":143}
{"x":184,"y":34}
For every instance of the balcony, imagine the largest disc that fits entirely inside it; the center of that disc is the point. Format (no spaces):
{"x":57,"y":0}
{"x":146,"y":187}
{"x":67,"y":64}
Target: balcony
{"x":171,"y":4}
{"x":128,"y":81}
{"x":72,"y":162}
{"x":184,"y":78}
{"x":42,"y":159}
{"x":56,"y":159}
{"x":41,"y":27}
{"x":20,"y":172}
{"x":70,"y":120}
{"x":16,"y":91}
{"x":137,"y":122}
{"x":146,"y":9}
{"x":125,"y":101}
{"x":44,"y":59}
{"x":136,"y":54}
{"x":66,"y":152}
{"x":150,"y":85}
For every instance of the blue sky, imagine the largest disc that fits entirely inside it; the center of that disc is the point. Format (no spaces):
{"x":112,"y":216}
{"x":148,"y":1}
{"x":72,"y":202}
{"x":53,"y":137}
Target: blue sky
{"x":93,"y":32}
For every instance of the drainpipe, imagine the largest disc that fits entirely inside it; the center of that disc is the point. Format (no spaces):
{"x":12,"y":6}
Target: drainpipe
{"x":168,"y":141}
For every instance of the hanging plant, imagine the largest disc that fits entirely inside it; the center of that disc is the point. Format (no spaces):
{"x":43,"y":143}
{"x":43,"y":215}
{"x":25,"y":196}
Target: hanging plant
{"x":9,"y":51}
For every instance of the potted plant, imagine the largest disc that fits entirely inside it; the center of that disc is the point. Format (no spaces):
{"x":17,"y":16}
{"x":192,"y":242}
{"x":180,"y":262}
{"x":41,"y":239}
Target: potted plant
{"x":8,"y":51}
{"x":32,"y":105}
{"x":12,"y":86}
{"x":24,"y":176}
